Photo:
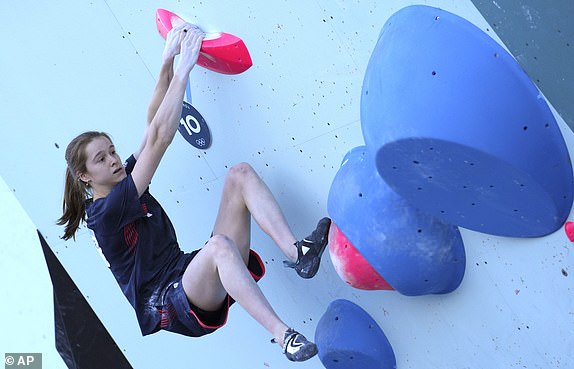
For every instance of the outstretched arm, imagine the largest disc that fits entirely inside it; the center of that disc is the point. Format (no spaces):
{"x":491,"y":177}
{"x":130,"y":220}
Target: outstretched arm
{"x":162,"y":127}
{"x":171,"y":49}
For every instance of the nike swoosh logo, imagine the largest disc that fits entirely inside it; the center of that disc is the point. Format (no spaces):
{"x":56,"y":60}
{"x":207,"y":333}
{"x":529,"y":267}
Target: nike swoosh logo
{"x":293,"y":347}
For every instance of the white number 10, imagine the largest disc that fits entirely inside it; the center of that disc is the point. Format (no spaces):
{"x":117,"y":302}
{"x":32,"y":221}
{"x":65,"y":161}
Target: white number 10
{"x":195,"y":128}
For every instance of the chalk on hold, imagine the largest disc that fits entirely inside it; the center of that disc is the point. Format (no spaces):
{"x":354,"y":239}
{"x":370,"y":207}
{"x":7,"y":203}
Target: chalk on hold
{"x":416,"y":253}
{"x":220,"y":52}
{"x":349,"y":338}
{"x":458,"y":129}
{"x":350,"y":265}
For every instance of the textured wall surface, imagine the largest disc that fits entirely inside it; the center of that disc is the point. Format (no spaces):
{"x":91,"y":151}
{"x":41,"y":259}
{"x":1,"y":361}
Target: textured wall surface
{"x":540,"y":34}
{"x":69,"y":66}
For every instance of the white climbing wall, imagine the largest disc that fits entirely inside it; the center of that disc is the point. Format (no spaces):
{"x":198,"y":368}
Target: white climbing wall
{"x":68,"y":66}
{"x":26,"y":290}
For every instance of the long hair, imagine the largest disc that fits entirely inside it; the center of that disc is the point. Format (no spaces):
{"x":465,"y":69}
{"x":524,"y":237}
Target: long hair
{"x":76,"y":192}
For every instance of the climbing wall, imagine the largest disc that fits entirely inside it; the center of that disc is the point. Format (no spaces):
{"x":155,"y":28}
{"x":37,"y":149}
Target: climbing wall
{"x":540,"y":36}
{"x":71,"y":66}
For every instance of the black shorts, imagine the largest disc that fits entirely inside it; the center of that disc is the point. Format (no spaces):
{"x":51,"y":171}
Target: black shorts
{"x":178,"y":315}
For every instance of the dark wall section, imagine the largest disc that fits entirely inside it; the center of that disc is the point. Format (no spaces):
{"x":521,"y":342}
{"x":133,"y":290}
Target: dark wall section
{"x":81,"y":338}
{"x":540,"y":35}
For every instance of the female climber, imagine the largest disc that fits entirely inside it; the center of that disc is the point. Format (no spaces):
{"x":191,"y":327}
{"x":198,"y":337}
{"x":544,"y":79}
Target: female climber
{"x":186,"y":293}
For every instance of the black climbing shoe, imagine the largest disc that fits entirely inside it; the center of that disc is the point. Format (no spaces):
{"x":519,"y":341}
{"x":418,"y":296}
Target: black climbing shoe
{"x":296,"y":347}
{"x":310,"y":249}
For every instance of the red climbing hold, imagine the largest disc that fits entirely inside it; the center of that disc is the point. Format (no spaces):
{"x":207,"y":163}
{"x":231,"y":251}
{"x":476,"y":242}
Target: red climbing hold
{"x":569,"y":229}
{"x":220,"y":52}
{"x":351,"y":266}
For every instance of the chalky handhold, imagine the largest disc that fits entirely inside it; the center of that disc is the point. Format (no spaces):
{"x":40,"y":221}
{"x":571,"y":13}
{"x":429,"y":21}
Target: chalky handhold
{"x":414,"y":252}
{"x":350,"y":265}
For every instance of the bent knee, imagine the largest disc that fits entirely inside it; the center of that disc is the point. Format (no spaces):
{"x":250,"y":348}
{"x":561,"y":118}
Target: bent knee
{"x":242,"y":168}
{"x":220,"y":246}
{"x":240,"y":172}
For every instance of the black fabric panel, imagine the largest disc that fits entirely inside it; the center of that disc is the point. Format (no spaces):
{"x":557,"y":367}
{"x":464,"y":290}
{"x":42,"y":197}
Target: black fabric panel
{"x":81,"y":338}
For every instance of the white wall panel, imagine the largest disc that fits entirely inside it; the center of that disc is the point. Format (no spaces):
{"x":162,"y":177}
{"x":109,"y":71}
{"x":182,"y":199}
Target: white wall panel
{"x":69,"y":66}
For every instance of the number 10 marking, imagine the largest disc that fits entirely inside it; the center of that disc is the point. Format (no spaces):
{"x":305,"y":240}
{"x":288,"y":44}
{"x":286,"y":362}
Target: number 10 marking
{"x":188,"y":125}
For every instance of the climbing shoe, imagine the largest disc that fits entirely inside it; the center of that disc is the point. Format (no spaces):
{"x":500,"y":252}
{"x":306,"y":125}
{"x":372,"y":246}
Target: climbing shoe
{"x":296,"y":347}
{"x":310,"y":249}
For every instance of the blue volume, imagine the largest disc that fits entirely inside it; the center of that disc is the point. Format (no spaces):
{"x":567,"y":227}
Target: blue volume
{"x":457,"y":128}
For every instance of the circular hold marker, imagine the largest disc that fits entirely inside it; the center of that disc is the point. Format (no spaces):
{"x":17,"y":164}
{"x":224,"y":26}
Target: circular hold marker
{"x":193,"y":127}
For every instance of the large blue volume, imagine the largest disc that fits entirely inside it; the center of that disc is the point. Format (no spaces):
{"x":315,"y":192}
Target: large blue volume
{"x":416,"y":253}
{"x":457,"y":128}
{"x":349,"y":338}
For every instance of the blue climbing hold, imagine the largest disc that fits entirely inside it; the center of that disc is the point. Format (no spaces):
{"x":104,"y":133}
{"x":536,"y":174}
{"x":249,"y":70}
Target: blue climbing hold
{"x":348,"y":337}
{"x":414,"y":252}
{"x":457,"y":128}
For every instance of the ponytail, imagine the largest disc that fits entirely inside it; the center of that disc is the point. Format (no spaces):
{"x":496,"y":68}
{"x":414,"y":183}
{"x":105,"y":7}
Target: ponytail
{"x":76,"y":192}
{"x":73,"y":207}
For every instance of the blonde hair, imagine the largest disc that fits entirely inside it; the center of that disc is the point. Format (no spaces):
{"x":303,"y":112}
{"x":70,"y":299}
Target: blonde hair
{"x":76,"y":192}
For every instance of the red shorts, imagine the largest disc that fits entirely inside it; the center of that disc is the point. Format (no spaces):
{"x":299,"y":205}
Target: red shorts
{"x":180,"y":316}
